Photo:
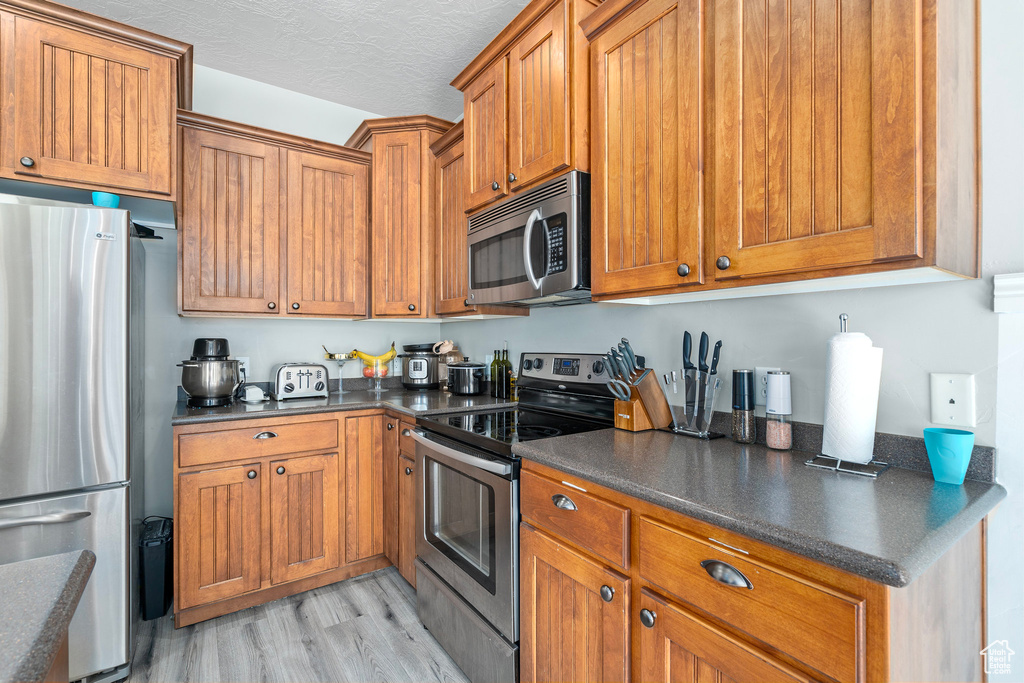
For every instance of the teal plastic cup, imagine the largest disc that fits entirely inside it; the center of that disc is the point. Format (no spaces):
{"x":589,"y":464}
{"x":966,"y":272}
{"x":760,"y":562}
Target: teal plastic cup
{"x":949,"y":452}
{"x":105,"y":199}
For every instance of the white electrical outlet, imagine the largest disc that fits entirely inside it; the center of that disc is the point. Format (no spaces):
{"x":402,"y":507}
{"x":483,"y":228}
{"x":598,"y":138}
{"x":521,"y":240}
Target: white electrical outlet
{"x":953,"y":400}
{"x":243,"y":366}
{"x":761,"y":385}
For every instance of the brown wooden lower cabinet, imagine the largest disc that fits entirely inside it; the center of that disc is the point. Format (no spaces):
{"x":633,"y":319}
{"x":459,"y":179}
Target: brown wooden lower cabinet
{"x":274,"y":506}
{"x":681,"y":647}
{"x":574,"y":614}
{"x":794,"y":619}
{"x":304,"y":516}
{"x":218,"y":520}
{"x":407,"y":517}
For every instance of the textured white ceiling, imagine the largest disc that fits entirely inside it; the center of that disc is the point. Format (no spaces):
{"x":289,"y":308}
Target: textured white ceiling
{"x":393,"y":57}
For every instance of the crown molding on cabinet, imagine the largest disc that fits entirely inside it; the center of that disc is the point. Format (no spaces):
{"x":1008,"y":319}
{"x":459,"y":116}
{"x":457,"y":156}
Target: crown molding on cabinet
{"x":395,"y":124}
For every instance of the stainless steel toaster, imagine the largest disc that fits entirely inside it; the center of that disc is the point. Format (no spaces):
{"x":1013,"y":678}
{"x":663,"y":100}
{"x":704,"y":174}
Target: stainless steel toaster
{"x":299,"y":380}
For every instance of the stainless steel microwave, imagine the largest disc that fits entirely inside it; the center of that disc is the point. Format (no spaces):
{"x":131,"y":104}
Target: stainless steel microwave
{"x":534,"y":248}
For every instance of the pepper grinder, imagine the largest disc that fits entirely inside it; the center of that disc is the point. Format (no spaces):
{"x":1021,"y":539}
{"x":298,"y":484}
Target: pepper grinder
{"x":743,"y":425}
{"x":779,"y":411}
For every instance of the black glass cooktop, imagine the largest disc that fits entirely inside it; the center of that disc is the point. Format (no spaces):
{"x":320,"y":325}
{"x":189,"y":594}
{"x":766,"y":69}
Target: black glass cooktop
{"x":497,"y":430}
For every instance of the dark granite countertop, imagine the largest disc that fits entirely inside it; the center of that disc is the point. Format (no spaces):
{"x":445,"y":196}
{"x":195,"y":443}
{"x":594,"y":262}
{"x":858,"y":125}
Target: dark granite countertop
{"x":889,"y":530}
{"x":401,"y":400}
{"x":40,"y":597}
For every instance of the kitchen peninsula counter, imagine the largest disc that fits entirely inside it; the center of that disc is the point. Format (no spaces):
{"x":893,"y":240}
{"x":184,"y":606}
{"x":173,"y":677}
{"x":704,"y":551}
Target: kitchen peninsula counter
{"x":889,"y":530}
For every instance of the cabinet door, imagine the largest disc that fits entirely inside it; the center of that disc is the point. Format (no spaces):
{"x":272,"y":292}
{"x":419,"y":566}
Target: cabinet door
{"x":391,"y":492}
{"x":218,"y":530}
{"x":538,"y":100}
{"x":452,"y":254}
{"x":304,"y":516}
{"x":816,"y":134}
{"x":407,"y":518}
{"x":648,"y":181}
{"x":327,"y":235}
{"x":364,"y":485}
{"x":229,"y":224}
{"x":568,"y":632}
{"x":485,"y":110}
{"x":398,"y":224}
{"x":89,"y":110}
{"x":683,"y":648}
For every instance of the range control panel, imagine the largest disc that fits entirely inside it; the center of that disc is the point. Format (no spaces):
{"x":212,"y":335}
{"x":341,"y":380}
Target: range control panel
{"x":581,"y":367}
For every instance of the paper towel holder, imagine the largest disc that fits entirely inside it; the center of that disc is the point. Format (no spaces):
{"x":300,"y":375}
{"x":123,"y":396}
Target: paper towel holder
{"x":842,"y":322}
{"x":827,"y":462}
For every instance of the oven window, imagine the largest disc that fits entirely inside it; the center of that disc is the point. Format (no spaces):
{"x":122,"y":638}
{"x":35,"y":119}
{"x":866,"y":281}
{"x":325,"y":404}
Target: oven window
{"x":460,"y":520}
{"x":498,"y":261}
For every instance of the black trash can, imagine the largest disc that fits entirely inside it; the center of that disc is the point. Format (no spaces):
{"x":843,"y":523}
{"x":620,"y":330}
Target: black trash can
{"x":155,"y":567}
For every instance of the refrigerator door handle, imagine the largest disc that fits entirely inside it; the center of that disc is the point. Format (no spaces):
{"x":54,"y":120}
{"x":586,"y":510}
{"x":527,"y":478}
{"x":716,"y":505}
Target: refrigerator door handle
{"x":52,"y":518}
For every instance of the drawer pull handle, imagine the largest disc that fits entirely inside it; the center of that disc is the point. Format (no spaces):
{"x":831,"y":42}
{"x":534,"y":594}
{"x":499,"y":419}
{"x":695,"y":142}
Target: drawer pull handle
{"x":563,"y":502}
{"x":265,"y":435}
{"x":607,"y":593}
{"x":647,"y":617}
{"x":726,"y":573}
{"x":406,"y":432}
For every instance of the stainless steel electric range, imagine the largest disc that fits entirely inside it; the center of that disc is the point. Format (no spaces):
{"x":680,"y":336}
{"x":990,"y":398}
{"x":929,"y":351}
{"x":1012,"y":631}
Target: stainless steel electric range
{"x":467,"y":570}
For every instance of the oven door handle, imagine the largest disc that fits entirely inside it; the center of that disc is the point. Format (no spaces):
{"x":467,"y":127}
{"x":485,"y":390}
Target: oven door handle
{"x":527,"y":233}
{"x":466,"y":459}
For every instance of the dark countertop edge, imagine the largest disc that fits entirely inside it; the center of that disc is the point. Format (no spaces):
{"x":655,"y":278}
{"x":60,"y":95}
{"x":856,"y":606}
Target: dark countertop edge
{"x":380,"y":404}
{"x":39,"y":658}
{"x":856,"y":562}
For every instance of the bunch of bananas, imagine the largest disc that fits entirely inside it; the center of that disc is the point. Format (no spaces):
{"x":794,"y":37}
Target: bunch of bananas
{"x":375,"y":360}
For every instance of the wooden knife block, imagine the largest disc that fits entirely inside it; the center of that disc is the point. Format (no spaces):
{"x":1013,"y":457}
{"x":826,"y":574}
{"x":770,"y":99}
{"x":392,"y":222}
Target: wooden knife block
{"x":645,"y":409}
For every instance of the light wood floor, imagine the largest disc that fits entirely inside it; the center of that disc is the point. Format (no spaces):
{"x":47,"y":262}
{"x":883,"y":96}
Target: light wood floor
{"x":363,"y":629}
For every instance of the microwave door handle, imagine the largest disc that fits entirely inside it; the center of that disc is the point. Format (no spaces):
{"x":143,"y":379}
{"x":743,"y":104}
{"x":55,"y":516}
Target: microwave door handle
{"x":527,"y":233}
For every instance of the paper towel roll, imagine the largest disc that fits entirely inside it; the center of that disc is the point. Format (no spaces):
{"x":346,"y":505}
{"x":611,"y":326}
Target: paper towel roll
{"x":852,"y":375}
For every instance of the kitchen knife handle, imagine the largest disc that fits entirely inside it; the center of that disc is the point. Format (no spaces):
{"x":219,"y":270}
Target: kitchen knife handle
{"x":715,"y":356}
{"x":687,"y":350}
{"x":702,"y":354}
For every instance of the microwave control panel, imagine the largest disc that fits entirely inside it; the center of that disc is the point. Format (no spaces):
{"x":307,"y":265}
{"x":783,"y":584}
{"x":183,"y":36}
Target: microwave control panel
{"x":557,"y":260}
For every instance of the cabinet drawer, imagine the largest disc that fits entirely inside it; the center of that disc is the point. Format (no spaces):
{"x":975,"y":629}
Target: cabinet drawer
{"x":811,"y":622}
{"x":595,"y":525}
{"x":406,"y":444}
{"x":259,"y":440}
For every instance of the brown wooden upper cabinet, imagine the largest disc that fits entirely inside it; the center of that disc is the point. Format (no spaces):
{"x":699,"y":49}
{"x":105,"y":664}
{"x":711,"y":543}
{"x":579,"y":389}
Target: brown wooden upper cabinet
{"x":744,"y":142}
{"x":270,"y":224}
{"x":526,"y":102}
{"x":89,"y":102}
{"x":402,"y":243}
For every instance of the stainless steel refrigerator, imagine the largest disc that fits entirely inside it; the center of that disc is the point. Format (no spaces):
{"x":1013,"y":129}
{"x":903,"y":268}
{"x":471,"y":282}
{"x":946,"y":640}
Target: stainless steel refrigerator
{"x":71,"y":326}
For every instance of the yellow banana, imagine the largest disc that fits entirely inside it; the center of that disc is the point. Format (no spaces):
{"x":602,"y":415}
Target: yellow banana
{"x":382,"y":358}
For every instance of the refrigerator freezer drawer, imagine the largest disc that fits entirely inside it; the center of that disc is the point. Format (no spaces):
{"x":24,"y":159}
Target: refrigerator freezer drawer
{"x":96,"y":521}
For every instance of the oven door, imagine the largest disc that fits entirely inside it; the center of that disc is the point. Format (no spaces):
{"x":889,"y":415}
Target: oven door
{"x":466,"y":529}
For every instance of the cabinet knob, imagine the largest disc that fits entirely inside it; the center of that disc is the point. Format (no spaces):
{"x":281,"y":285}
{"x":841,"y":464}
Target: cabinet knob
{"x":408,"y":470}
{"x":28,"y":162}
{"x":467,"y":303}
{"x":683,"y":270}
{"x":412,"y":307}
{"x":511,"y":177}
{"x":607,"y":593}
{"x":723,"y":263}
{"x":271,"y":305}
{"x":252,"y":474}
{"x":295,"y":306}
{"x":495,"y":185}
{"x":647,"y":618}
{"x":280,"y":469}
{"x":390,"y":426}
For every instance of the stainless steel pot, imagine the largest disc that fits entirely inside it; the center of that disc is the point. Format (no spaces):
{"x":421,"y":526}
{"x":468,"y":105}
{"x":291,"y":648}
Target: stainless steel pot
{"x":466,"y":378}
{"x":210,"y":379}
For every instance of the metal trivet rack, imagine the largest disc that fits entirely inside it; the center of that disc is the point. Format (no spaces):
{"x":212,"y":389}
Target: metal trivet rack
{"x":827,"y":462}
